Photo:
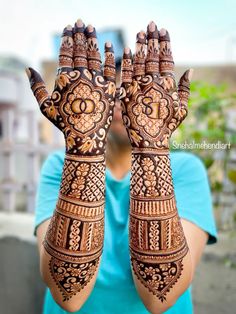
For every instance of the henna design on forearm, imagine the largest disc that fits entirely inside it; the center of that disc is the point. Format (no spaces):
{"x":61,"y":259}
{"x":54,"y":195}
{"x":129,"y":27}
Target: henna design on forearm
{"x":75,"y":235}
{"x":157,"y":241}
{"x":153,"y":108}
{"x":81,"y":106}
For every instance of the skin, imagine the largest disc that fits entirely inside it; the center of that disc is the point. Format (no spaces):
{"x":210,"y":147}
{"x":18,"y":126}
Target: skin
{"x":120,"y":165}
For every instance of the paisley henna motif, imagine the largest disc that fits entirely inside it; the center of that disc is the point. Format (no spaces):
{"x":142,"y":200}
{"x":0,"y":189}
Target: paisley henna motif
{"x":153,"y":108}
{"x":71,"y":278}
{"x":81,"y":106}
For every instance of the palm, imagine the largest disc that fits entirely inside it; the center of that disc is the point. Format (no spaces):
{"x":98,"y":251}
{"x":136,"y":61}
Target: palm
{"x":82,"y":108}
{"x":152,"y":107}
{"x":81,"y":105}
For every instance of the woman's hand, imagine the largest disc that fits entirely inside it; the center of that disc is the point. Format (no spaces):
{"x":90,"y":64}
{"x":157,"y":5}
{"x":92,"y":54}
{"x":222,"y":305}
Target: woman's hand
{"x":82,"y":102}
{"x":81,"y":106}
{"x":153,"y":106}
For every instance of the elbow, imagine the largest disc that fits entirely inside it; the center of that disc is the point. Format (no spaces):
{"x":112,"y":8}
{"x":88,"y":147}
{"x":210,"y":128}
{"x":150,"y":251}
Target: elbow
{"x":72,"y":305}
{"x":69,"y":306}
{"x":161,"y":308}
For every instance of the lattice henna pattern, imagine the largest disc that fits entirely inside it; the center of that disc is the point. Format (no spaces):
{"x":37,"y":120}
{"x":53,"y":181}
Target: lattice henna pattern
{"x":83,"y":180}
{"x":151,"y":175}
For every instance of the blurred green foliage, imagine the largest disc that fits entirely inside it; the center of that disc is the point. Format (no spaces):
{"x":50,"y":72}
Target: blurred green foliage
{"x":207,"y":122}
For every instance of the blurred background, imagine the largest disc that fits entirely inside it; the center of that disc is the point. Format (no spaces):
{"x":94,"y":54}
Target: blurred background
{"x":203,"y":36}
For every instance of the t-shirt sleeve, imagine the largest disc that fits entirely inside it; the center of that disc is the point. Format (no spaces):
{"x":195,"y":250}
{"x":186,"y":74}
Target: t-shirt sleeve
{"x":193,"y":193}
{"x":48,"y":187}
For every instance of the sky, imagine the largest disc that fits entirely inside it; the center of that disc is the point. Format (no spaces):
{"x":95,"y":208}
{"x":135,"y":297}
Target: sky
{"x":202,"y":32}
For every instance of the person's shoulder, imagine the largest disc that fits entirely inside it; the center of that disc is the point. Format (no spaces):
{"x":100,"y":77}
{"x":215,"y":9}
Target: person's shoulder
{"x":185,"y":162}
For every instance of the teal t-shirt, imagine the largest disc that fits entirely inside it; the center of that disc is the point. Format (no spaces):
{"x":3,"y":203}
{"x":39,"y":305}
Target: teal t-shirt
{"x":114,"y":291}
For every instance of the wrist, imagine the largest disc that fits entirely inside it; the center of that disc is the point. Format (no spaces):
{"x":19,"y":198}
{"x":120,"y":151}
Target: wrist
{"x":151,"y":174}
{"x":83,"y":178}
{"x":151,"y":150}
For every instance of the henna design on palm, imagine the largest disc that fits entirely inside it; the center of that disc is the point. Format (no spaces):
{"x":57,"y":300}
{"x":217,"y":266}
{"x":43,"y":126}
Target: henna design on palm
{"x":153,"y":107}
{"x":82,"y":102}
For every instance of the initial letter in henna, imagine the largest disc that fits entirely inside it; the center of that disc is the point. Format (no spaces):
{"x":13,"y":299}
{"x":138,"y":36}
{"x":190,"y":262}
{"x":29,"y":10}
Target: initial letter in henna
{"x":81,"y":106}
{"x":153,"y":108}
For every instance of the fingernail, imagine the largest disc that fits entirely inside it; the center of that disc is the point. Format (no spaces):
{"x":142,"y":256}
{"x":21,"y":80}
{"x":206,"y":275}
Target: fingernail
{"x":108,"y":44}
{"x":152,"y":26}
{"x":163,"y":32}
{"x":90,"y":28}
{"x":190,"y":74}
{"x":79,"y":23}
{"x":69,"y":27}
{"x":127,"y":50}
{"x":141,"y":34}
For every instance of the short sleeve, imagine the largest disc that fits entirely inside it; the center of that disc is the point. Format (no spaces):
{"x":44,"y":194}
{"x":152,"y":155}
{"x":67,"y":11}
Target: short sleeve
{"x":48,"y":188}
{"x":193,"y":193}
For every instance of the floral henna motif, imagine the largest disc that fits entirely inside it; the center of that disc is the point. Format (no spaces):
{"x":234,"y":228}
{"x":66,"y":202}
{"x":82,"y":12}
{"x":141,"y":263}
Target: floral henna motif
{"x":153,"y":107}
{"x":158,"y":279}
{"x":72,"y":277}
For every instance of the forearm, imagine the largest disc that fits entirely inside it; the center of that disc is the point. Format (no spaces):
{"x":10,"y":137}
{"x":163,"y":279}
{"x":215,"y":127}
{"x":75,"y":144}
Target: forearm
{"x":73,"y":243}
{"x":159,"y":252}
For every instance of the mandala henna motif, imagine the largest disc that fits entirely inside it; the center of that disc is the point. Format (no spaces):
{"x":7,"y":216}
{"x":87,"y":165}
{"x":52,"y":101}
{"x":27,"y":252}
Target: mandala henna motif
{"x":81,"y":106}
{"x":152,"y":111}
{"x":153,"y":108}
